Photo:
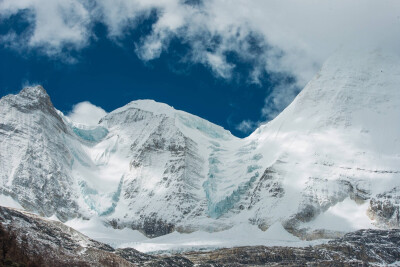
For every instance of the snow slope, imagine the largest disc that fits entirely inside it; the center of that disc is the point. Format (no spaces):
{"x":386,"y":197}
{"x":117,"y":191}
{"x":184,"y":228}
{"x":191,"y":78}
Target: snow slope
{"x":332,"y":153}
{"x":340,"y":136}
{"x":239,"y":235}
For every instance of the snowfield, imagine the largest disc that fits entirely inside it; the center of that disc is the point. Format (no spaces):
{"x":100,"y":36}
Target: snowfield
{"x":239,"y":235}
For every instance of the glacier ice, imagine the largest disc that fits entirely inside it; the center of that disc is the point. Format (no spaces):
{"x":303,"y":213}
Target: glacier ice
{"x":91,"y":134}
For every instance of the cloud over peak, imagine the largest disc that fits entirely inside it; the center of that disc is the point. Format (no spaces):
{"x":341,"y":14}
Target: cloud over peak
{"x":286,"y":37}
{"x":294,"y":36}
{"x":86,"y":113}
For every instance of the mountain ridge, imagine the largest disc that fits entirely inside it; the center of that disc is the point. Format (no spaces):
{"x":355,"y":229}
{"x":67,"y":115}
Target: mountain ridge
{"x":149,"y":167}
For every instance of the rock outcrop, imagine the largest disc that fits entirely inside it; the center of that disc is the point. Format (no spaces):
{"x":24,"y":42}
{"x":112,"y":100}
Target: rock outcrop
{"x":360,"y":248}
{"x":29,"y":240}
{"x":385,"y":208}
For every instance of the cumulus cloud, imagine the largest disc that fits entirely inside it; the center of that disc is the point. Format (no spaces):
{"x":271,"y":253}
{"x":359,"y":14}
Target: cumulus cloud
{"x":86,"y":113}
{"x":285,"y":37}
{"x":54,"y":25}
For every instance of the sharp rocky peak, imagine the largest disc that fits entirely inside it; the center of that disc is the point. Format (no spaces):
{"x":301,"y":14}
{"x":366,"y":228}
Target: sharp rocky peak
{"x":36,"y":95}
{"x":31,"y":98}
{"x":34,"y":92}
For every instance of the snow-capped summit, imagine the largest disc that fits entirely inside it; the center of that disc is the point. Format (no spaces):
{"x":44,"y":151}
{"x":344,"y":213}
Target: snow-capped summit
{"x":186,"y":122}
{"x":326,"y":165}
{"x":150,"y":105}
{"x":34,"y":92}
{"x":31,"y":99}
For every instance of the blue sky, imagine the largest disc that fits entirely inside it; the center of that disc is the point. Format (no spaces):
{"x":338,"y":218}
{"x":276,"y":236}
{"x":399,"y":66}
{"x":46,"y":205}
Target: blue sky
{"x":110,"y":75}
{"x":234,"y":65}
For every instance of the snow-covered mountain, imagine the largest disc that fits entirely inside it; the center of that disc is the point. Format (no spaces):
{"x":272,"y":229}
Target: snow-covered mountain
{"x":328,"y":164}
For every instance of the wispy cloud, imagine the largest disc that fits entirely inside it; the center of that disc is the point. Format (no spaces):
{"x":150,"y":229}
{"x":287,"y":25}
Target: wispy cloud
{"x":247,"y":126}
{"x":277,"y":100}
{"x":287,"y":37}
{"x":281,"y":96}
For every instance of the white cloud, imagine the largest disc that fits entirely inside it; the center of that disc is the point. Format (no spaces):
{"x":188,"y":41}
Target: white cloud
{"x":54,"y":24}
{"x":86,"y":113}
{"x":278,"y":99}
{"x":247,"y":126}
{"x":287,"y":37}
{"x":295,"y":36}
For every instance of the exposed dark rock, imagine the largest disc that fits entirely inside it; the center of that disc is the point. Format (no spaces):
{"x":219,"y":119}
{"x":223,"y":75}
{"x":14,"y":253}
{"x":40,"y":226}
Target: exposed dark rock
{"x":267,"y":184}
{"x":133,"y":255}
{"x":33,"y":241}
{"x":360,"y":248}
{"x":29,"y":240}
{"x":155,"y":227}
{"x":149,"y":226}
{"x":384,"y":208}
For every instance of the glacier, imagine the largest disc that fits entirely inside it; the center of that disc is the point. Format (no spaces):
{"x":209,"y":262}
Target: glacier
{"x":333,"y":152}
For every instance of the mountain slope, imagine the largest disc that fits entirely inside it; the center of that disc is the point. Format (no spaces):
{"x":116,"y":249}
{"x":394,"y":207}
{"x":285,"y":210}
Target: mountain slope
{"x":340,"y":137}
{"x":328,"y":164}
{"x":35,"y":160}
{"x":29,"y":240}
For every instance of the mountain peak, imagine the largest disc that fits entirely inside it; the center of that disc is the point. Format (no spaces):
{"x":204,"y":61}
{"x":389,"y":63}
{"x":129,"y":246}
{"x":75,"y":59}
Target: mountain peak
{"x":183,"y":120}
{"x":30,"y":100}
{"x":152,"y":106}
{"x":34,"y":92}
{"x":33,"y":97}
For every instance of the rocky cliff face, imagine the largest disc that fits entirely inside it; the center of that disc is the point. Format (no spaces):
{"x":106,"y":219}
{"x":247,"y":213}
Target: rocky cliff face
{"x":384,"y":208}
{"x":150,"y":167}
{"x":29,"y":240}
{"x":361,"y":248}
